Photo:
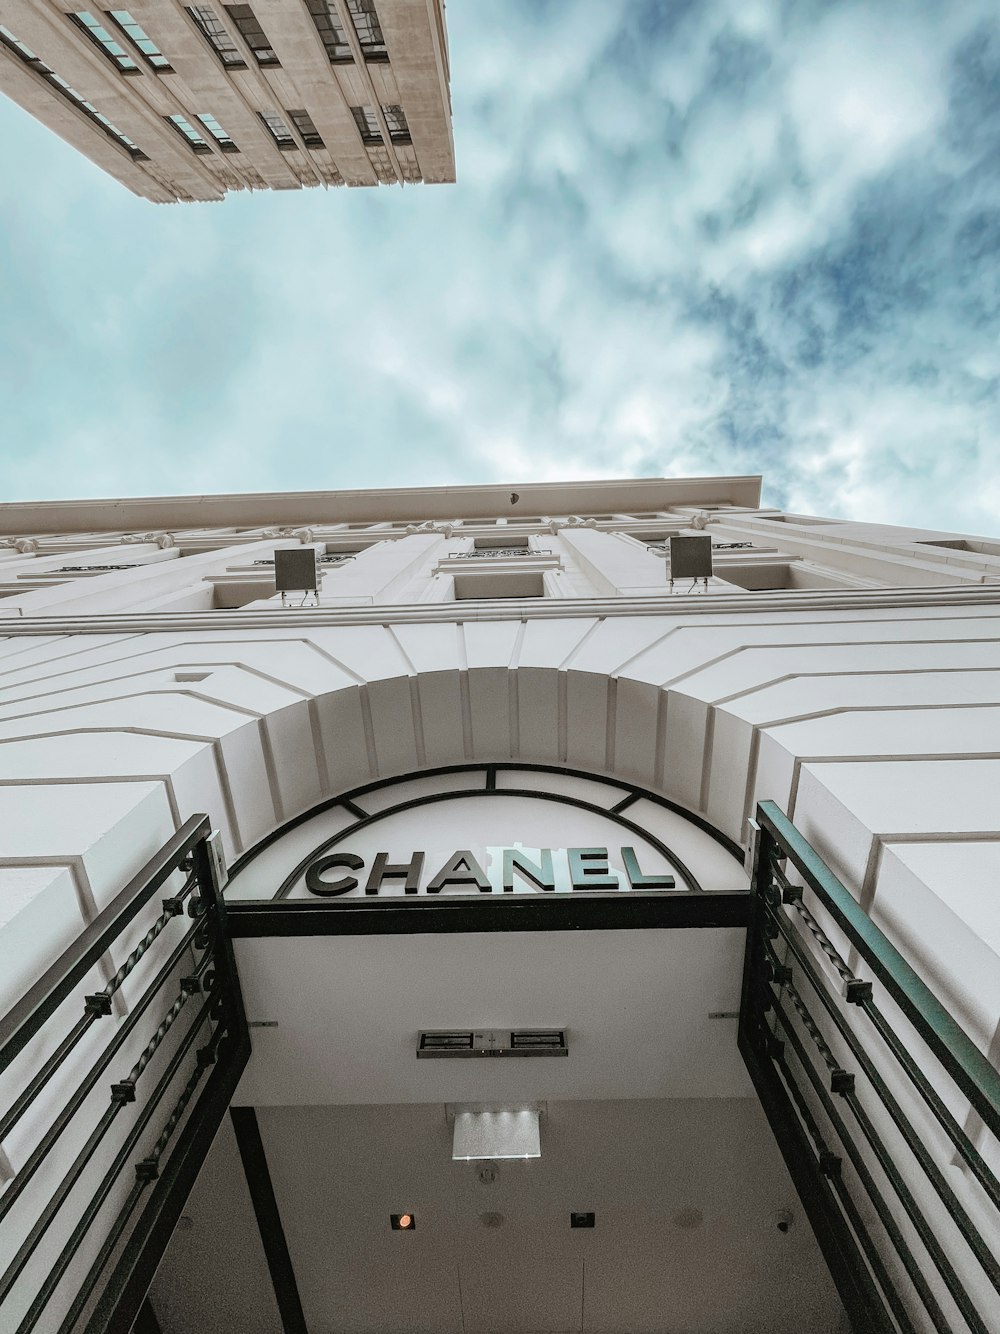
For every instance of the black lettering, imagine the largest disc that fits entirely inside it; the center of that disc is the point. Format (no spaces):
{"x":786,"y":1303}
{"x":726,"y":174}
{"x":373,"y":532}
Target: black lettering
{"x":383,"y":869}
{"x":584,"y":876}
{"x":639,"y":881}
{"x":460,"y":869}
{"x":329,"y":889}
{"x":539,"y":876}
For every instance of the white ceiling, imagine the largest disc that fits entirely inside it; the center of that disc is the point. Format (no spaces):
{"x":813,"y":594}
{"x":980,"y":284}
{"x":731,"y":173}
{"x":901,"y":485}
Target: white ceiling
{"x":650,"y":1122}
{"x":636,"y":1004}
{"x":685,"y":1192}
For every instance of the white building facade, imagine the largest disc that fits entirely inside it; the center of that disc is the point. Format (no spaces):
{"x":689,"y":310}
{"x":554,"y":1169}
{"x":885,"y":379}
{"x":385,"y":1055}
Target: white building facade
{"x":189,"y":102}
{"x":501,"y":693}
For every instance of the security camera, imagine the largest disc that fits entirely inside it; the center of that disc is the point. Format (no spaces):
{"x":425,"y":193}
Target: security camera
{"x":514,"y":497}
{"x":783,"y":1220}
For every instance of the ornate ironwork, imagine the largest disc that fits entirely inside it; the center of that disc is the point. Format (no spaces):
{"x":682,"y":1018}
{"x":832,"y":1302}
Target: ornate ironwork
{"x":498,"y":553}
{"x":831,"y":1069}
{"x":192,"y":958}
{"x":92,"y":569}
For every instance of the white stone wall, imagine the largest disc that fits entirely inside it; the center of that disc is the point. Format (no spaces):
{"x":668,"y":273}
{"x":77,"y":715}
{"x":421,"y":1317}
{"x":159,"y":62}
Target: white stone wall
{"x":878,"y":731}
{"x":868,"y":707}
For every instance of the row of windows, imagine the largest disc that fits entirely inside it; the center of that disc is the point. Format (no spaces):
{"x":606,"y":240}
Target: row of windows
{"x":24,"y":53}
{"x":367,"y":28}
{"x":371,"y":132}
{"x":366,"y":24}
{"x":364,"y":118}
{"x":276,"y":127}
{"x":106,"y":30}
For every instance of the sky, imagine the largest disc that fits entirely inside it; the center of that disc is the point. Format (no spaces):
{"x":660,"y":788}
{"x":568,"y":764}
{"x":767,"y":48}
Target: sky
{"x":690,"y":237}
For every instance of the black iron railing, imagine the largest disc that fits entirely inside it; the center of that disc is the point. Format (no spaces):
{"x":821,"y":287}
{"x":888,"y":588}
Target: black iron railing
{"x":887,"y":1113}
{"x":500,"y":553}
{"x":113,"y":1096}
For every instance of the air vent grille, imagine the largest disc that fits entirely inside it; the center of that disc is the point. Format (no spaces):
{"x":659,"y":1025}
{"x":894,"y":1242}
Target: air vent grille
{"x":493,"y":1042}
{"x":445,"y":1044}
{"x":544,"y":1041}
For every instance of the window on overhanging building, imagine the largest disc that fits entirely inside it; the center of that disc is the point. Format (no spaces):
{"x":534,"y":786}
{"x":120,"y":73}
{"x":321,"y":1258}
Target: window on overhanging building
{"x":367,"y":123}
{"x":105,"y":41}
{"x":217,"y":35}
{"x":27,"y":56}
{"x":141,"y":40}
{"x":365,"y":19}
{"x":327,"y":20}
{"x":188,"y":132}
{"x":278,"y":130}
{"x":399,"y":131}
{"x":308,"y":132}
{"x":253,"y":34}
{"x":217,"y":133}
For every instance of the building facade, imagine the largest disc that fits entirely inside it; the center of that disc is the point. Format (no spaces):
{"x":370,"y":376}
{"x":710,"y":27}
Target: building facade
{"x":189,"y":102}
{"x":495,"y":700}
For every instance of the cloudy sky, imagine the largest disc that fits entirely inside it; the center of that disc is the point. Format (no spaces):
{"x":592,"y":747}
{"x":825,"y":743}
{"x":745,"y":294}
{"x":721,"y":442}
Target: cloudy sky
{"x":689,"y":237}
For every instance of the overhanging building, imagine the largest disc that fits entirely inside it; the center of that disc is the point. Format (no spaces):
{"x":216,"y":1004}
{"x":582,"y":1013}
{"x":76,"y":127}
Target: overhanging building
{"x":189,"y":102}
{"x":357,"y":846}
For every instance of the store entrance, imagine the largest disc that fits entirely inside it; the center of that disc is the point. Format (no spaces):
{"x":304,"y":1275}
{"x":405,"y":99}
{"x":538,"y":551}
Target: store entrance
{"x":377,"y":1019}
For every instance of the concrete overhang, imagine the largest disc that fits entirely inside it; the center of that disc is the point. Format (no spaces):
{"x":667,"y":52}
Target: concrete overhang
{"x":300,"y":508}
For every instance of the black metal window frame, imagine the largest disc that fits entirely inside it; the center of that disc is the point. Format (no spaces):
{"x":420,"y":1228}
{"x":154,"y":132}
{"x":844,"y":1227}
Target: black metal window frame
{"x":368,"y":28}
{"x":329,"y":25}
{"x":25,"y":54}
{"x":217,"y":35}
{"x":106,"y":42}
{"x":107,"y":1297}
{"x":182,"y":126}
{"x":278,"y":130}
{"x":395,"y":119}
{"x":829,"y":1052}
{"x":140,"y":40}
{"x":366,"y":119}
{"x":306,"y":127}
{"x":219,"y":135}
{"x":249,"y":26}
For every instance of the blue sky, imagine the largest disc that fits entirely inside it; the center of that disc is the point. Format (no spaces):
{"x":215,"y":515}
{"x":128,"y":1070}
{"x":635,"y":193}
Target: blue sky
{"x":691,"y":237}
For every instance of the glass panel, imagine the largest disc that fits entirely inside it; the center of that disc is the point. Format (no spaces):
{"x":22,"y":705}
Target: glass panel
{"x":303,"y":122}
{"x":328,"y":25}
{"x":26,"y":54}
{"x":367,"y":122}
{"x":399,"y":131}
{"x":217,"y":36}
{"x":137,"y":36}
{"x":185,"y":128}
{"x":217,"y":133}
{"x":368,"y":28}
{"x":100,"y":36}
{"x":253,"y":34}
{"x":280,"y":132}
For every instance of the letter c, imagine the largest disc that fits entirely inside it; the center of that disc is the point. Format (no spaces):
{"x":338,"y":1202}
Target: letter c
{"x":329,"y":889}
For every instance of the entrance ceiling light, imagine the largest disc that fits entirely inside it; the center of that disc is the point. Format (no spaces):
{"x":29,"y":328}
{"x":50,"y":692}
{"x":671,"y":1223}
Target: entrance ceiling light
{"x":496,"y":1134}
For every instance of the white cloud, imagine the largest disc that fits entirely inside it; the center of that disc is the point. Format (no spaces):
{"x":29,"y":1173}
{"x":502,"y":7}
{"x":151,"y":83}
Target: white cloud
{"x":728,"y":236}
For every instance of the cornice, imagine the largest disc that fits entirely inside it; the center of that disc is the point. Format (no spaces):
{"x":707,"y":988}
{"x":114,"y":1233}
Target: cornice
{"x":745,"y":606}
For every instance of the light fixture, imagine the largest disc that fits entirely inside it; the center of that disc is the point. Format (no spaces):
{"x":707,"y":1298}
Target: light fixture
{"x":403,"y":1222}
{"x":495,"y":1133}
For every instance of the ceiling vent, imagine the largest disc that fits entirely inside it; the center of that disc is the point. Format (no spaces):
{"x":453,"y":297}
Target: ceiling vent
{"x":493,"y":1042}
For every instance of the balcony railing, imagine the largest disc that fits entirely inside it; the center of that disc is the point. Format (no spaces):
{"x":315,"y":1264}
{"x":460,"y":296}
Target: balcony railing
{"x":113,"y":1096}
{"x":499,"y":553}
{"x":887,"y":1113}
